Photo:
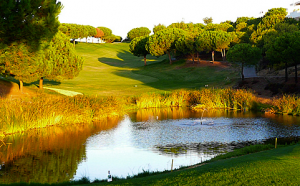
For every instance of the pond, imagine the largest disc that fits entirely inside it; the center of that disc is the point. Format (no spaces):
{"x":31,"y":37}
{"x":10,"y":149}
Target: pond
{"x":146,"y":140}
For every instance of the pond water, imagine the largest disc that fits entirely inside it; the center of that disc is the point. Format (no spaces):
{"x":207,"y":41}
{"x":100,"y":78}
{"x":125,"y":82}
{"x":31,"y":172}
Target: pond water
{"x":146,"y":140}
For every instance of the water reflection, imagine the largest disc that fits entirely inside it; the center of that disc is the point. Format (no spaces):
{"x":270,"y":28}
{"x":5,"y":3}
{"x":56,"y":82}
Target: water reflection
{"x":49,"y":155}
{"x":145,"y":140}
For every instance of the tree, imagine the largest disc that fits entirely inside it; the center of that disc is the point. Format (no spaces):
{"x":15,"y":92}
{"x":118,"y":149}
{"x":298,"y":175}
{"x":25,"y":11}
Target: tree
{"x":90,"y":31}
{"x":108,"y":36}
{"x":105,"y":30}
{"x":207,"y":20}
{"x":71,"y":30}
{"x":267,"y":23}
{"x":29,"y":22}
{"x":19,"y":61}
{"x":285,"y":48}
{"x":99,"y":33}
{"x":138,"y":32}
{"x":138,"y":47}
{"x":187,"y":44}
{"x":221,"y":42}
{"x":245,"y":55}
{"x":164,"y":42}
{"x":60,"y":60}
{"x":204,"y":42}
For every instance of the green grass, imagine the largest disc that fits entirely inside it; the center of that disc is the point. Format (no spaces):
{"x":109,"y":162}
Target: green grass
{"x":273,"y":167}
{"x":110,"y":69}
{"x":255,"y":165}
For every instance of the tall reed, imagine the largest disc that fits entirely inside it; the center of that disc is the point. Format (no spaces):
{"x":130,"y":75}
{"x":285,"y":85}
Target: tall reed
{"x":42,"y":111}
{"x":199,"y":99}
{"x":287,"y":104}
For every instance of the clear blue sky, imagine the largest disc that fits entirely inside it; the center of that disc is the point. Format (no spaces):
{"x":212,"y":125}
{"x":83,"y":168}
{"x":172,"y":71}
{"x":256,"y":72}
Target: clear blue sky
{"x":123,"y":15}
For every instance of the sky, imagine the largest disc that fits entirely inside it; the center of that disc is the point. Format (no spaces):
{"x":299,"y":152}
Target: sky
{"x":123,"y":15}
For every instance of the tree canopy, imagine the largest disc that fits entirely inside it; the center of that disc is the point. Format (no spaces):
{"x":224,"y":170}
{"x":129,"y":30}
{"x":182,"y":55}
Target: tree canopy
{"x":207,"y":20}
{"x":245,"y":55}
{"x":285,"y":48}
{"x":163,"y":42}
{"x":138,"y":47}
{"x":28,"y":21}
{"x":138,"y":32}
{"x":60,"y":60}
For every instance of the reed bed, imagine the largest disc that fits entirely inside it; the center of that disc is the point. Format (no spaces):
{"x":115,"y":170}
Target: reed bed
{"x":287,"y":104}
{"x":48,"y":110}
{"x":42,"y":111}
{"x":200,"y":99}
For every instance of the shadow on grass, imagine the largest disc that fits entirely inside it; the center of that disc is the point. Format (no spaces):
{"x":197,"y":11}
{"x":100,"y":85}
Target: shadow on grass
{"x":5,"y":87}
{"x":126,"y":59}
{"x":159,"y":74}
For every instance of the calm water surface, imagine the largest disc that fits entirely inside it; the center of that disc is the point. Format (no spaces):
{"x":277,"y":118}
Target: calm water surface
{"x":146,"y":140}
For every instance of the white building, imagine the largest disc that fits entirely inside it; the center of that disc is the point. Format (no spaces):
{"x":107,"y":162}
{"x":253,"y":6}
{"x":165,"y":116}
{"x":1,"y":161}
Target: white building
{"x":294,"y":10}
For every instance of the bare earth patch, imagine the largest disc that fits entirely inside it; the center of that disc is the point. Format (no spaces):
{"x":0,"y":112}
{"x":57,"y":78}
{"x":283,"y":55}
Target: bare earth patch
{"x":204,"y":63}
{"x":11,"y":90}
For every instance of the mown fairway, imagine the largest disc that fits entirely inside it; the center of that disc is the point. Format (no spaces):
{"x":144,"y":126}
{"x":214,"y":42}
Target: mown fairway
{"x":110,"y":69}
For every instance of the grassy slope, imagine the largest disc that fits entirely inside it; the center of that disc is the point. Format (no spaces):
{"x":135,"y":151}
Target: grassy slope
{"x":110,"y":69}
{"x":274,"y":167}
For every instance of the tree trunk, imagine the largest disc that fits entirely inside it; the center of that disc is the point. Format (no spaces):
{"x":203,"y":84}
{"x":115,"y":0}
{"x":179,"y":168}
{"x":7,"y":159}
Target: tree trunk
{"x":296,"y":74}
{"x":198,"y":56}
{"x":74,"y":42}
{"x":86,"y":40}
{"x":193,"y":57}
{"x":213,"y":55}
{"x":145,"y":60}
{"x":170,"y":59}
{"x":41,"y":83}
{"x":21,"y":86}
{"x":222,"y":54}
{"x":243,"y":77}
{"x":286,"y":72}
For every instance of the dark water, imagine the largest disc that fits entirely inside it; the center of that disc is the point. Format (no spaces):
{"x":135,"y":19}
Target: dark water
{"x":146,"y":140}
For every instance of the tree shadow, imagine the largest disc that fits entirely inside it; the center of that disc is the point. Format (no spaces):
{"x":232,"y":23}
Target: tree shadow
{"x":5,"y":87}
{"x":126,"y":59}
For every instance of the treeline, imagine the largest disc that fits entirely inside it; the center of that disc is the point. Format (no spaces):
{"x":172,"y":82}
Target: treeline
{"x":76,"y":31}
{"x":269,"y":41}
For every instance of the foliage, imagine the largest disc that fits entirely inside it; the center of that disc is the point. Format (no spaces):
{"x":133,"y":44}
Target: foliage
{"x":19,"y":61}
{"x":99,"y":34}
{"x":29,"y":22}
{"x":244,"y":54}
{"x":138,"y":32}
{"x":207,"y":20}
{"x":158,"y":27}
{"x":285,"y":48}
{"x":268,"y":22}
{"x":204,"y":41}
{"x":287,"y":104}
{"x":60,"y":60}
{"x":226,"y":27}
{"x":187,"y":44}
{"x":222,"y":41}
{"x":138,"y":47}
{"x":105,"y":30}
{"x":164,"y":42}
